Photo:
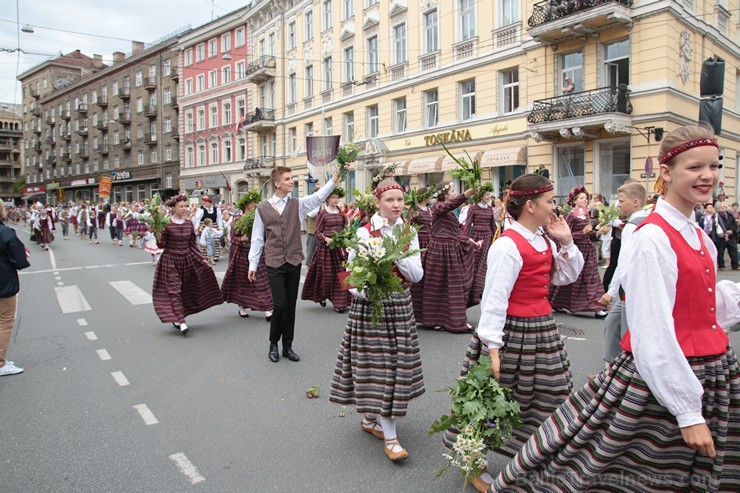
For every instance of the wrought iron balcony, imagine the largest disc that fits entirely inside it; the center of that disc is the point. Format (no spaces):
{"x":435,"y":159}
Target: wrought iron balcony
{"x":552,"y":20}
{"x":50,"y":121}
{"x":66,"y":157}
{"x":173,"y":74}
{"x":103,"y":149}
{"x":173,"y":102}
{"x":102,"y":101}
{"x":586,"y":103}
{"x":82,"y":132}
{"x":51,"y":160}
{"x":150,"y":139}
{"x":124,"y":118}
{"x":125,"y":145}
{"x":150,"y":110}
{"x":36,"y":111}
{"x":124,"y":93}
{"x":65,"y":115}
{"x":82,"y":108}
{"x":260,"y":120}
{"x":150,"y":83}
{"x":67,"y":136}
{"x":102,"y":126}
{"x":84,"y":153}
{"x":37,"y":147}
{"x":259,"y":166}
{"x":261,"y":70}
{"x":51,"y":141}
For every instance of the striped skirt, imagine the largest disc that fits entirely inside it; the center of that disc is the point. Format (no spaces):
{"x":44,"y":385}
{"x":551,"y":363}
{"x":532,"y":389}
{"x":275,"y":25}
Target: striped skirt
{"x":534,"y":364}
{"x":613,"y":435}
{"x":379,"y":366}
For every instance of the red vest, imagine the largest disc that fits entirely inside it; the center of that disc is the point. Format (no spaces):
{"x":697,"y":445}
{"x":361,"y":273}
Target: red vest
{"x":529,"y":296}
{"x":694,"y":312}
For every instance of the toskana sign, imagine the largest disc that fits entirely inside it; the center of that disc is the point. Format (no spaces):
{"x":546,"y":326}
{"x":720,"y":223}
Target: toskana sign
{"x":444,"y":138}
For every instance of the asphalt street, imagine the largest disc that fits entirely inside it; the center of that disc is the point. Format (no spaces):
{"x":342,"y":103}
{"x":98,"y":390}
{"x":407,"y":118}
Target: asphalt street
{"x":112,"y":400}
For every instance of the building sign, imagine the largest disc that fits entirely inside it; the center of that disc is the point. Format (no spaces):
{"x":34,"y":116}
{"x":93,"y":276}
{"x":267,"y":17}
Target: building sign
{"x":120,"y":175}
{"x":498,"y":129}
{"x":212,"y":181}
{"x":446,"y":137}
{"x":52,"y":186}
{"x":37,"y":189}
{"x":77,"y":183}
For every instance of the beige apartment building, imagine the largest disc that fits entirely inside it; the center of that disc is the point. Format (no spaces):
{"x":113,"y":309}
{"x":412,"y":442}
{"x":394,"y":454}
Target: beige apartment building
{"x":11,"y":149}
{"x":117,"y":120}
{"x":488,"y":78}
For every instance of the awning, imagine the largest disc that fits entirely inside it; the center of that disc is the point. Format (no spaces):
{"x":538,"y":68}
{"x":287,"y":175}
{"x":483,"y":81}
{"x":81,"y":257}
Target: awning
{"x":508,"y":156}
{"x":450,"y":163}
{"x":32,"y":194}
{"x":422,"y":165}
{"x":402,"y":168}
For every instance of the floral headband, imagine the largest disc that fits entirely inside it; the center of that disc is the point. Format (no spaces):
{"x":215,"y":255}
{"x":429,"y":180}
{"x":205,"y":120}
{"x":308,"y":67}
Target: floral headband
{"x":382,"y":190}
{"x":442,"y":192}
{"x":671,"y":153}
{"x":575,"y":193}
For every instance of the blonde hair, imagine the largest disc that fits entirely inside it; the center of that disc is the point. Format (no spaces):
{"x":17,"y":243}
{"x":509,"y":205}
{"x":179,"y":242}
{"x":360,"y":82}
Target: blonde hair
{"x":208,"y":222}
{"x":634,"y":190}
{"x":2,"y":211}
{"x":680,"y":135}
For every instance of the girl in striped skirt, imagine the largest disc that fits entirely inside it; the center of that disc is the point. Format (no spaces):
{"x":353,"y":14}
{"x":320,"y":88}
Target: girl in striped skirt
{"x":516,"y":326}
{"x":480,"y":224}
{"x":666,"y":415}
{"x":422,"y":219}
{"x":379,"y":366}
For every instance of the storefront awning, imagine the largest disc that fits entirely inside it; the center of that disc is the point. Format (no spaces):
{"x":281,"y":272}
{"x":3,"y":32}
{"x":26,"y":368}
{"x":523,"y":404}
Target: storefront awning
{"x":431,"y":164}
{"x":31,"y":194}
{"x":402,"y":168}
{"x":508,"y":156}
{"x":449,"y":163}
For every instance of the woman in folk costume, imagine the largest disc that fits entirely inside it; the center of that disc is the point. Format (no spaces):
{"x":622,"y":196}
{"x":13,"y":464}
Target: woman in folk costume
{"x":184,"y":283}
{"x":379,"y":366}
{"x":44,"y":226}
{"x":422,"y":219}
{"x":448,"y":266}
{"x":322,"y":282}
{"x":236,"y":288}
{"x":516,"y":326}
{"x":134,"y":227}
{"x":666,"y":415}
{"x":480,"y":224}
{"x":584,"y":294}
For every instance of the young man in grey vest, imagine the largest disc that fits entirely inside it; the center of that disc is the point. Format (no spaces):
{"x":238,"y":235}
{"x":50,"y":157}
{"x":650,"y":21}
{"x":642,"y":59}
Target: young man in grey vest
{"x":277,"y":231}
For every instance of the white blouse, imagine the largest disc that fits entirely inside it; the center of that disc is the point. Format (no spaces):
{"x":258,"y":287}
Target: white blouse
{"x":504,"y":265}
{"x":649,"y":278}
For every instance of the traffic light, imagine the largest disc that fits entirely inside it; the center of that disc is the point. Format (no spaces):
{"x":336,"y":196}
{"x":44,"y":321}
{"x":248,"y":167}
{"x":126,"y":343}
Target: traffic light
{"x":658,"y":132}
{"x":711,"y":88}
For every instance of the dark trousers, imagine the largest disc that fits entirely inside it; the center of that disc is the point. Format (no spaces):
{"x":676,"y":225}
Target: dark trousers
{"x":731,"y":246}
{"x":284,"y":282}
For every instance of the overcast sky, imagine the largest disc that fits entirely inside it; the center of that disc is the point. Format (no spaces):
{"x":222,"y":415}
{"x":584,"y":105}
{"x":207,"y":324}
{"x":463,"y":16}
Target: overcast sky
{"x":140,"y":20}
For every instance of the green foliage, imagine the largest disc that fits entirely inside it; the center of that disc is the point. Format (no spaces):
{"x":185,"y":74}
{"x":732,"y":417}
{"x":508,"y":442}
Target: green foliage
{"x":371,"y":270}
{"x":607,"y":215}
{"x":469,"y":171}
{"x":244,"y":225}
{"x":345,"y":155}
{"x":486,"y":187}
{"x":343,"y":238}
{"x":365,"y":201}
{"x":154,"y":215}
{"x":251,"y":197}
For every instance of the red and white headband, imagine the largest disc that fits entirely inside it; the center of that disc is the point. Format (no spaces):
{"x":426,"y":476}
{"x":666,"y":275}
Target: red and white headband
{"x":664,"y":158}
{"x":380,"y":191}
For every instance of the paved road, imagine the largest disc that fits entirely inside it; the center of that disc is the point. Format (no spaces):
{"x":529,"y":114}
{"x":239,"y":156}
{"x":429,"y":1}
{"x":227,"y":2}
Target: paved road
{"x":114,"y":401}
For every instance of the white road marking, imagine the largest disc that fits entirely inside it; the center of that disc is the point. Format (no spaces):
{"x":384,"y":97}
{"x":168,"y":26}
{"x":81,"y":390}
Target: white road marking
{"x":220,"y":275}
{"x":56,"y":273}
{"x":81,"y":322}
{"x":52,"y":259}
{"x":71,"y":300}
{"x":146,"y":414}
{"x":91,"y":336}
{"x":138,"y":263}
{"x":133,"y":293}
{"x":60,"y":284}
{"x":120,"y":378}
{"x":44,"y":271}
{"x":57,"y":278}
{"x":104,"y":356}
{"x":187,"y":468}
{"x":16,"y":307}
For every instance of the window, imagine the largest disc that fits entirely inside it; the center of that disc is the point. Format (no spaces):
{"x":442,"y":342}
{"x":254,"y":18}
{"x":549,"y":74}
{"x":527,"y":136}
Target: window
{"x":617,"y":63}
{"x":292,"y":140}
{"x":349,"y":64}
{"x":139,"y":78}
{"x":370,"y":3}
{"x":308,"y":129}
{"x":399,"y":115}
{"x":153,"y":157}
{"x":372,"y":121}
{"x":168,"y":124}
{"x":509,"y":12}
{"x":200,"y":52}
{"x":292,"y":91}
{"x":308,"y":30}
{"x":349,"y":126}
{"x":614,"y":166}
{"x":271,"y":44}
{"x":241,"y":108}
{"x":261,"y":47}
{"x":291,"y":35}
{"x":326,"y":18}
{"x":227,"y":151}
{"x":308,"y":91}
{"x":239,"y":34}
{"x":467,"y":100}
{"x":167,"y":96}
{"x":189,"y":123}
{"x":214,"y":116}
{"x":570,"y":168}
{"x":200,"y":82}
{"x":189,"y":86}
{"x":431,"y":108}
{"x":399,"y":43}
{"x":201,"y":119}
{"x":202,"y":154}
{"x":214,"y":152}
{"x":241,"y":70}
{"x":227,"y":113}
{"x":139,"y":105}
{"x":213,"y":78}
{"x":242,"y":149}
{"x":226,"y":42}
{"x":328,"y":126}
{"x":188,"y":57}
{"x":327,"y":74}
{"x":189,"y":157}
{"x":572,"y":68}
{"x":510,"y":89}
{"x":167,"y":67}
{"x":372,"y":55}
{"x":226,"y":74}
{"x":467,"y":19}
{"x":348,"y":9}
{"x":212,"y":47}
{"x":140,"y":157}
{"x":93,"y":98}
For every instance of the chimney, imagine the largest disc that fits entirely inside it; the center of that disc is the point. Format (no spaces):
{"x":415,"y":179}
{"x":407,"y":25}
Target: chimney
{"x":136,"y":47}
{"x":118,"y":56}
{"x":98,"y":61}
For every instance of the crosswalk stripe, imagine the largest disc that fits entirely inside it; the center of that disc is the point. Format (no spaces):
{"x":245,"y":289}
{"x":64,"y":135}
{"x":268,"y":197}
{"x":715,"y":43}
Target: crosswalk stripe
{"x":133,"y":293}
{"x":71,"y":300}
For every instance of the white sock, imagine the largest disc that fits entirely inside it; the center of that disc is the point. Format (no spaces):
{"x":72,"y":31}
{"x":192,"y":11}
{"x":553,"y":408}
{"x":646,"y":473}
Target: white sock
{"x":268,"y":313}
{"x":183,"y":326}
{"x":389,"y":432}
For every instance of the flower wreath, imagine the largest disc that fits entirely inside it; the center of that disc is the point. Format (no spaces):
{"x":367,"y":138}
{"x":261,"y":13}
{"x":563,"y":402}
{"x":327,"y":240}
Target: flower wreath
{"x":441,"y":193}
{"x":575,"y":193}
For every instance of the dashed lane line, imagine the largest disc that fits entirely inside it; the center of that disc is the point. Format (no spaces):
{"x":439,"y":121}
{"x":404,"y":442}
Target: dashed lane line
{"x":187,"y":468}
{"x":103,"y":354}
{"x":81,"y":322}
{"x":120,"y":378}
{"x":91,"y":336}
{"x":146,"y":414}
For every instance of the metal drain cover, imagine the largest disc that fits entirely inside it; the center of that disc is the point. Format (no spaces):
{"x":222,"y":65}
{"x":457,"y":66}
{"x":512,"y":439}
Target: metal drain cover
{"x":567,"y":331}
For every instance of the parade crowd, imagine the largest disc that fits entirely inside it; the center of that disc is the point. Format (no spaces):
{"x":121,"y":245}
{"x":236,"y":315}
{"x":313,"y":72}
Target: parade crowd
{"x":663,"y":414}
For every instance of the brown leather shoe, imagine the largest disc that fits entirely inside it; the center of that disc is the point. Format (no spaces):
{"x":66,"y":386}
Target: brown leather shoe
{"x":372,"y":427}
{"x":394,"y":456}
{"x":480,"y":485}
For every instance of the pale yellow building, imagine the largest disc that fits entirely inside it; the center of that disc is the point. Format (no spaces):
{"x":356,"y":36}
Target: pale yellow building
{"x":488,"y":78}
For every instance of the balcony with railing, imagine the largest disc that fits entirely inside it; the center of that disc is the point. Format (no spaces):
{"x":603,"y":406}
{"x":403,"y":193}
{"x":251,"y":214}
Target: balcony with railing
{"x":582,"y":114}
{"x":260,"y":120}
{"x":150,"y":139}
{"x":50,"y":121}
{"x":84,"y":153}
{"x":6,"y":145}
{"x":65,"y":115}
{"x":36,"y":111}
{"x":37,"y":130}
{"x":37,"y":146}
{"x":82,"y":108}
{"x":175,"y":133}
{"x":261,"y":70}
{"x":125,"y":145}
{"x":66,"y":157}
{"x":174,"y":75}
{"x":553,"y":20}
{"x":82,"y":132}
{"x":124,"y":92}
{"x":35,"y":93}
{"x":102,"y":101}
{"x":51,"y":141}
{"x":150,"y":83}
{"x":67,"y":136}
{"x":51,"y":160}
{"x":259,"y":166}
{"x":150,"y":110}
{"x":173,"y":102}
{"x":124,"y":118}
{"x":103,"y":149}
{"x":102,"y":126}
